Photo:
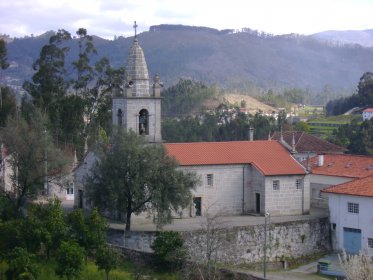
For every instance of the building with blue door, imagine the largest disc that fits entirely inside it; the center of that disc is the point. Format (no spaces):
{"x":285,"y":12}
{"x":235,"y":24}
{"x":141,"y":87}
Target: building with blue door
{"x":351,"y":215}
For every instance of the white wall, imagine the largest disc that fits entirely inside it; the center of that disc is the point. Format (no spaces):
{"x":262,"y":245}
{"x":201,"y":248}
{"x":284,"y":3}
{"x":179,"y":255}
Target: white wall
{"x":342,"y":218}
{"x":288,"y":200}
{"x":320,"y":182}
{"x":225,"y":196}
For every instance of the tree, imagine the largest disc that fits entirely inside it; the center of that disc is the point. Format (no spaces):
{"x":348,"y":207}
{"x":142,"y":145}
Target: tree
{"x":48,"y":224}
{"x":302,"y":126}
{"x":106,"y":259}
{"x":356,"y":266}
{"x":48,"y":83}
{"x":3,"y":65}
{"x":131,"y":176}
{"x":21,"y":265}
{"x":88,"y":231}
{"x":169,"y":250}
{"x":8,"y":104}
{"x":29,"y":143}
{"x":70,"y":260}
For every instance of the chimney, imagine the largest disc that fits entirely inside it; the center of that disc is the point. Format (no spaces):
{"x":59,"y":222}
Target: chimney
{"x":293,"y":151}
{"x":251,"y":133}
{"x":320,"y":160}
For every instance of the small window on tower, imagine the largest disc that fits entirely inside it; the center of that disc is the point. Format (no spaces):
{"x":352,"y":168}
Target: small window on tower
{"x":120,"y":117}
{"x":144,"y":122}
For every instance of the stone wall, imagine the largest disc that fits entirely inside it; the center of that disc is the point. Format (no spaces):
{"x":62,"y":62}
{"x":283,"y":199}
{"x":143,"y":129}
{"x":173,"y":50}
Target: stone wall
{"x":245,"y":245}
{"x":285,"y":241}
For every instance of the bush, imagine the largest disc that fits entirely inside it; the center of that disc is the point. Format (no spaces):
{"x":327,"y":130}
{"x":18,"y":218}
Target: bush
{"x":169,"y":251}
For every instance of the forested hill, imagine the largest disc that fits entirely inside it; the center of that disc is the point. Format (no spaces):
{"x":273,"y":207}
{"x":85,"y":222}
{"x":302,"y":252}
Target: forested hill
{"x":234,"y":60}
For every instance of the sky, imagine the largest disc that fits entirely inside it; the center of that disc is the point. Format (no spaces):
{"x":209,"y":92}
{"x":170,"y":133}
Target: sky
{"x":109,"y":18}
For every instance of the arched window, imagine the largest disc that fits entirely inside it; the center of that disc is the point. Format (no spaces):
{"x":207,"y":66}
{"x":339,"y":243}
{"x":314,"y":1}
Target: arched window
{"x":143,"y":122}
{"x":120,"y":117}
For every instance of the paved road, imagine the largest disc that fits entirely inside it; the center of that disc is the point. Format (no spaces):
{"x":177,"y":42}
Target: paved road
{"x":141,"y":223}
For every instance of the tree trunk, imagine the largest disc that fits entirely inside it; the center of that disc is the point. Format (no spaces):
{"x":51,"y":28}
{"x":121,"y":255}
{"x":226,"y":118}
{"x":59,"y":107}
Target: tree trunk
{"x":107,"y":275}
{"x":128,"y":214}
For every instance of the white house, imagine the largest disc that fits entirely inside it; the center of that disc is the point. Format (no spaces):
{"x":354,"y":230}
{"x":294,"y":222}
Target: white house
{"x":351,"y":209}
{"x":333,"y":169}
{"x":367,"y":114}
{"x":241,"y":177}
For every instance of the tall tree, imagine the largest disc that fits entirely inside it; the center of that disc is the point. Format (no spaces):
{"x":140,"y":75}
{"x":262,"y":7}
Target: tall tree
{"x":33,"y":158}
{"x":48,"y":83}
{"x":131,"y":176}
{"x":8,"y":104}
{"x":3,"y":65}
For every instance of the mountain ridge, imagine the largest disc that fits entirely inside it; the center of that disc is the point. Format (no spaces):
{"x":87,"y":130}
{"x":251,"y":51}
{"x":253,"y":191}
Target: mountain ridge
{"x":242,"y":61}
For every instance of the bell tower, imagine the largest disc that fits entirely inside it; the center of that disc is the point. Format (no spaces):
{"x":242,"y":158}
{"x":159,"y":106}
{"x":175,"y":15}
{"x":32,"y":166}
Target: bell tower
{"x":139,"y":109}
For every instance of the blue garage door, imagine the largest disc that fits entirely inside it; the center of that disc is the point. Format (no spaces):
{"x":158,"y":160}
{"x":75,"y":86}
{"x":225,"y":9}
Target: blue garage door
{"x":352,"y":240}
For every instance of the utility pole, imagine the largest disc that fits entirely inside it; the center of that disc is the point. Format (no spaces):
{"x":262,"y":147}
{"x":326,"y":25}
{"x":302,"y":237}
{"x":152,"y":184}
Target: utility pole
{"x":266,"y":218}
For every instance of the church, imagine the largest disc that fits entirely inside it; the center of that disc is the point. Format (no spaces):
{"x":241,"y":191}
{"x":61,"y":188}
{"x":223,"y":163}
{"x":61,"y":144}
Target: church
{"x":236,"y":178}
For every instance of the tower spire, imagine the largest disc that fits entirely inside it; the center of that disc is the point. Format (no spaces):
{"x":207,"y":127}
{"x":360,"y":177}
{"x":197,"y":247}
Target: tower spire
{"x":135,"y":27}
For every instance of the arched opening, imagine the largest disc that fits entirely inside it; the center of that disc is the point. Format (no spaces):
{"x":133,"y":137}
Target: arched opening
{"x":143,"y":122}
{"x":120,"y":117}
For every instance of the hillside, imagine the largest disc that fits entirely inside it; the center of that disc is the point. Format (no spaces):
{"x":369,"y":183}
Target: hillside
{"x":252,"y":104}
{"x":245,"y":60}
{"x":361,"y":37}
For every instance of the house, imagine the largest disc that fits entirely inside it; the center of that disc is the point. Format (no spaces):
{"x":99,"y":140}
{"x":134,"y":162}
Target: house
{"x":236,"y":177}
{"x":351,"y":208}
{"x":303,"y":145}
{"x":367,"y":114}
{"x":333,"y":169}
{"x":63,"y":188}
{"x":241,"y":177}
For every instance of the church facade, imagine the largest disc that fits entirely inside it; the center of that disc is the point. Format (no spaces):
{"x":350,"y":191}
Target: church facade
{"x":236,"y":178}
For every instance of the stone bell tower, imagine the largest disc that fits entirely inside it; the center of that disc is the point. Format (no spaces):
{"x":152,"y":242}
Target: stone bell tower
{"x":139,"y":109}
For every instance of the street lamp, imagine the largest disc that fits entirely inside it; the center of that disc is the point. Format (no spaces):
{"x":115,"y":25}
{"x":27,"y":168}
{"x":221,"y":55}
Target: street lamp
{"x":266,"y":219}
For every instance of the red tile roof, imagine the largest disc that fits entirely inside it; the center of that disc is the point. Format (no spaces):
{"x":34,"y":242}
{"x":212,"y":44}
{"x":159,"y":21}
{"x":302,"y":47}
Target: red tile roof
{"x":352,"y":166}
{"x":269,"y":157}
{"x":308,"y":143}
{"x":368,"y":110}
{"x":359,"y":187}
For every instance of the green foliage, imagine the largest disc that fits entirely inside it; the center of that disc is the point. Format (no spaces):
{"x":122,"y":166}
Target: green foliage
{"x":21,"y":265}
{"x":185,"y":97}
{"x":131,"y":176}
{"x":302,"y":126}
{"x":48,"y":83}
{"x":28,"y":142}
{"x":3,"y":55}
{"x":107,"y":259}
{"x":363,"y":98}
{"x":169,"y":251}
{"x":70,"y":260}
{"x":47,"y":223}
{"x":7,"y":104}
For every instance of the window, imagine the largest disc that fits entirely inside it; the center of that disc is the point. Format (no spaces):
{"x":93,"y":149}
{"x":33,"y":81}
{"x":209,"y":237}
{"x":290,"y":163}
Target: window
{"x":120,"y":117}
{"x":276,"y":185}
{"x":210,"y":180}
{"x":353,"y":207}
{"x":299,"y":184}
{"x":143,"y":122}
{"x":370,"y":243}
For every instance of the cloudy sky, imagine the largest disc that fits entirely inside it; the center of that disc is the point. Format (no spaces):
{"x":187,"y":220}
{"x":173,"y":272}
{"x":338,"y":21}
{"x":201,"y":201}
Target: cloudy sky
{"x":107,"y":18}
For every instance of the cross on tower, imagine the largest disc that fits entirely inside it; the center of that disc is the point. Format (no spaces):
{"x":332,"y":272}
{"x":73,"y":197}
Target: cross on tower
{"x":135,"y":26}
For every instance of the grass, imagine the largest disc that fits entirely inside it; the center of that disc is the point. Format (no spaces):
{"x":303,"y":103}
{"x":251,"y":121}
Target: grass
{"x":125,"y":271}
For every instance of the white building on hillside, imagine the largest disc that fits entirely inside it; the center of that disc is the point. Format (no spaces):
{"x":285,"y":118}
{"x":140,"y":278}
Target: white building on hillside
{"x":367,"y":114}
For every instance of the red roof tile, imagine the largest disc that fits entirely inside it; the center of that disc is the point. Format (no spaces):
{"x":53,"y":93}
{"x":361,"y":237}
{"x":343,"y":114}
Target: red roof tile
{"x":352,"y":166}
{"x":269,"y":157}
{"x":359,"y":187}
{"x":368,"y":110}
{"x":308,"y":143}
